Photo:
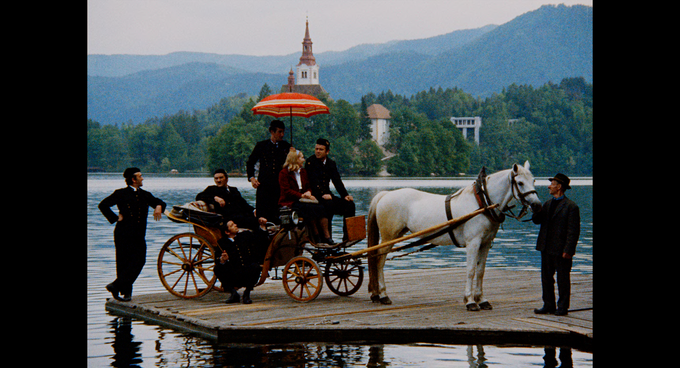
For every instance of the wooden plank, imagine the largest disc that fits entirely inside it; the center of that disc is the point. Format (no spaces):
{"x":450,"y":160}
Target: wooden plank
{"x":382,"y":310}
{"x":426,"y":303}
{"x":553,"y":324}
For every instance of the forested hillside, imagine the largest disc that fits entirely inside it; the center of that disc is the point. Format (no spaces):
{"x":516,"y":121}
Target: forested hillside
{"x":552,"y":126}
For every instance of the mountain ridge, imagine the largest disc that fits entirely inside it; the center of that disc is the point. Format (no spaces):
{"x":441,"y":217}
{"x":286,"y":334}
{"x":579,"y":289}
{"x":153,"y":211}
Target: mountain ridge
{"x":548,"y":44}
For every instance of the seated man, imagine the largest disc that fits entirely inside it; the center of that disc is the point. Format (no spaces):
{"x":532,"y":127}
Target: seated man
{"x":229,"y":203}
{"x":321,"y":170}
{"x":239,"y":263}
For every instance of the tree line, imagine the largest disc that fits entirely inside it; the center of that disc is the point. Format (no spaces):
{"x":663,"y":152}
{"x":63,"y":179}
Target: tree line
{"x":551,"y":126}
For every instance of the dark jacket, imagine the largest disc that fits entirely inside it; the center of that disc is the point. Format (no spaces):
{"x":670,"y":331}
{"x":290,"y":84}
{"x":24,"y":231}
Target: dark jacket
{"x":320,"y":175}
{"x":559,"y":233}
{"x":290,"y":191}
{"x":133,"y":205}
{"x":271,"y":157}
{"x":235,"y":204}
{"x":246,"y":253}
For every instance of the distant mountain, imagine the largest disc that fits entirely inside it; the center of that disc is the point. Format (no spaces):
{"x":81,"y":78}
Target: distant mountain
{"x":121,"y":65}
{"x":545,"y":45}
{"x":548,"y":44}
{"x":139,"y":96}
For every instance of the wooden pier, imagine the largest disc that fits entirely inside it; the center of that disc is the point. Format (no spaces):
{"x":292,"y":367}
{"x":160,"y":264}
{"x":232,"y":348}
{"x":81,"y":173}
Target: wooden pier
{"x":427,"y":307}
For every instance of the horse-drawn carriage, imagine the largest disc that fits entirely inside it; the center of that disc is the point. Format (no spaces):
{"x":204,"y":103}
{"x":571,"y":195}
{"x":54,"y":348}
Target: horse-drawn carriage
{"x":186,"y":261}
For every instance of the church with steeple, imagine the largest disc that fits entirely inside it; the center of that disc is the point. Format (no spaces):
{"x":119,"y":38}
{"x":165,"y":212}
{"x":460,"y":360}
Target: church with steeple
{"x":305,"y":79}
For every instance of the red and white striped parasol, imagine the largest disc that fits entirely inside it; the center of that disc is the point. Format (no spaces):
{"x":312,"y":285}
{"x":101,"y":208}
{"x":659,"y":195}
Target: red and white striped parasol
{"x":290,"y":104}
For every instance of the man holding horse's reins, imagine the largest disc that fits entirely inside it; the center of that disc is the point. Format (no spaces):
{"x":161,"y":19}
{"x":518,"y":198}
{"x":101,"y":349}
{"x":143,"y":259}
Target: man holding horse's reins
{"x":560,"y":222}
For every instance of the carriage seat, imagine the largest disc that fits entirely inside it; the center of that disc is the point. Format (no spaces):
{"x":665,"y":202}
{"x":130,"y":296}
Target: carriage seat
{"x":197,"y":212}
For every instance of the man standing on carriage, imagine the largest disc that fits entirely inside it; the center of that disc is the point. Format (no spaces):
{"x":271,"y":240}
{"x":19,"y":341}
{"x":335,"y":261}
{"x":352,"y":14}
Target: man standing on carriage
{"x":228,"y":202}
{"x":560,"y":222}
{"x":240,"y":253}
{"x":271,"y":154}
{"x":129,"y":235}
{"x":321,"y":170}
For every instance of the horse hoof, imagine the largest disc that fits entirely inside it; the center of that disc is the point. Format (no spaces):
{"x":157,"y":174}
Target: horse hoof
{"x":485,"y":306}
{"x":472,"y":307}
{"x":378,"y":299}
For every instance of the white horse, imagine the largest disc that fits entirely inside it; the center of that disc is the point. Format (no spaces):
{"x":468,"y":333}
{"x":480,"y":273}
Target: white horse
{"x":393,"y":213}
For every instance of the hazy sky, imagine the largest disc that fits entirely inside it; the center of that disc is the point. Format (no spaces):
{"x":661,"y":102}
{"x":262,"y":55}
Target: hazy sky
{"x":276,"y":27}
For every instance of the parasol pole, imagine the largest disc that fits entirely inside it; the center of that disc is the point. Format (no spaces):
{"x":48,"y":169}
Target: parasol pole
{"x":291,"y":126}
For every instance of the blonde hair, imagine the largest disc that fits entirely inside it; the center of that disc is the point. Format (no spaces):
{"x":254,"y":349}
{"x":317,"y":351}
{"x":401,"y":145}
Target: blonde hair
{"x":292,"y":160}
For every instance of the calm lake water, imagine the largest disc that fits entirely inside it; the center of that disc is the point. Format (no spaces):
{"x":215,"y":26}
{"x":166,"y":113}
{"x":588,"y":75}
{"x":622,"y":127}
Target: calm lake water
{"x":121,"y":342}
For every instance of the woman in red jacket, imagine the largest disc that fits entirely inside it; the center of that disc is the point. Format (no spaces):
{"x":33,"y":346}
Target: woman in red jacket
{"x":296,"y":193}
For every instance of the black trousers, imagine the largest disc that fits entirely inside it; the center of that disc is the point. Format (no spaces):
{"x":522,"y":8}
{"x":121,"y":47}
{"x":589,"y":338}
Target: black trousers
{"x":130,"y":259}
{"x":233,"y":277}
{"x":551,"y":264}
{"x":267,"y":201}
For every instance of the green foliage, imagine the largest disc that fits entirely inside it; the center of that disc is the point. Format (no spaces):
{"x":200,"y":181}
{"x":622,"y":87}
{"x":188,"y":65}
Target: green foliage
{"x":551,"y":126}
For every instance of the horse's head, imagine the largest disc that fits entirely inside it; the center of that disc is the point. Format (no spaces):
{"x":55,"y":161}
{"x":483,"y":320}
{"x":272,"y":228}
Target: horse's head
{"x":523,"y":187}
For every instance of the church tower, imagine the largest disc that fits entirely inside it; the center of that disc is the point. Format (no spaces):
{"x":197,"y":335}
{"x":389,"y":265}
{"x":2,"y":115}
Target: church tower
{"x":306,"y":71}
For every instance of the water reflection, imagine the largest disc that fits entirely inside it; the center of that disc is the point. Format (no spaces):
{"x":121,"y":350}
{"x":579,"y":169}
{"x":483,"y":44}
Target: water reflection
{"x":126,"y":351}
{"x":171,"y":349}
{"x":565,"y":357}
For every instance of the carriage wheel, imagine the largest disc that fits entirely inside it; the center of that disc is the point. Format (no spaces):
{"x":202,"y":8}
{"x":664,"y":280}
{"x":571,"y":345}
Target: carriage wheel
{"x":302,"y":279}
{"x":344,"y":278}
{"x":185,"y":266}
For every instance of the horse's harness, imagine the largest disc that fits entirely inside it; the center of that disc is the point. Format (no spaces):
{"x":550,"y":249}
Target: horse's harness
{"x":484,"y":201}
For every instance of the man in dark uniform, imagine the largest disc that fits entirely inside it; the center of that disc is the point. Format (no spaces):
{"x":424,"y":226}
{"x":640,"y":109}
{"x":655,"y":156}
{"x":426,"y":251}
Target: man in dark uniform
{"x":271,"y":154}
{"x":228,"y":202}
{"x":240,"y":257}
{"x":129,"y":235}
{"x":560,"y":222}
{"x":321,"y":170}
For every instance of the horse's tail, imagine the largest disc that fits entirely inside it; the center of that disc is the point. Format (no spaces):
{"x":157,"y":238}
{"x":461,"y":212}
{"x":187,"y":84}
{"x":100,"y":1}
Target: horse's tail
{"x":373,"y":232}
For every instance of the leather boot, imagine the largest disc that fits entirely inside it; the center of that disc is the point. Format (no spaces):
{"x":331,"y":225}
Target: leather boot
{"x":234,"y":298}
{"x":246,"y":297}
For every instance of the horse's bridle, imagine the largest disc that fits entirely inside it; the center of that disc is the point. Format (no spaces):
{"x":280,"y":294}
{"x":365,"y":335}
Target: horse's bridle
{"x":520,"y":197}
{"x":484,"y":200}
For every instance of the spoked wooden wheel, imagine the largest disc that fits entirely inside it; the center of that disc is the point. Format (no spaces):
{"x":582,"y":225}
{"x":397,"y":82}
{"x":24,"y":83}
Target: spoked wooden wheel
{"x":302,"y":279}
{"x":185,"y":266}
{"x":344,"y":278}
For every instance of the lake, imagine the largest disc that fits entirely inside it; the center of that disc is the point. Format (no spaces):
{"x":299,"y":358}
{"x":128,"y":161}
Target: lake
{"x":122,"y":341}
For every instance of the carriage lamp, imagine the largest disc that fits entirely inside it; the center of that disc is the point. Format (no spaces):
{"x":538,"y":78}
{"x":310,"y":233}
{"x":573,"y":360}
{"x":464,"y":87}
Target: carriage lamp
{"x":288,"y":217}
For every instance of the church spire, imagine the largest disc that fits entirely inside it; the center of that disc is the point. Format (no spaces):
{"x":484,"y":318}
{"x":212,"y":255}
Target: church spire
{"x":307,"y":57}
{"x":306,"y":77}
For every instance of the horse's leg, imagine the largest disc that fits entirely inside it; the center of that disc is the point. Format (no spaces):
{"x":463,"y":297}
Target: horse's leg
{"x":373,"y":283}
{"x":376,"y":285}
{"x":472,"y":258}
{"x":478,"y":293}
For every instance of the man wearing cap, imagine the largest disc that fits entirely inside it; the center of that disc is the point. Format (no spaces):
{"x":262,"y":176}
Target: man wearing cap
{"x":321,"y":170}
{"x":129,"y":234}
{"x":271,"y":154}
{"x":560,"y":222}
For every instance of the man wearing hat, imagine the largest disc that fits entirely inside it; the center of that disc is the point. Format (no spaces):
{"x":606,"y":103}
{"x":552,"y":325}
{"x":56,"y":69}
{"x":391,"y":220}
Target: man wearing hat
{"x":321,"y":171}
{"x":560,"y":222}
{"x":129,"y":234}
{"x":271,"y":154}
